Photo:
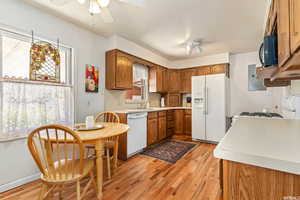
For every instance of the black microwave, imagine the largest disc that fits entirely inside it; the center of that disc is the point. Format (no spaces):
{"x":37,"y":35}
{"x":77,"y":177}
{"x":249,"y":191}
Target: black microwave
{"x":268,"y":52}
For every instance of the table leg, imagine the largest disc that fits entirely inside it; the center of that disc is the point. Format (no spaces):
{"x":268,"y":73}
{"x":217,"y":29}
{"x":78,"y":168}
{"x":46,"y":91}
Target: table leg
{"x":99,"y":147}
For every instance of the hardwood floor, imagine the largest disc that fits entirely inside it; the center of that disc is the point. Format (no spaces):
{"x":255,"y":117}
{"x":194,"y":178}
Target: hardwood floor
{"x":195,"y":176}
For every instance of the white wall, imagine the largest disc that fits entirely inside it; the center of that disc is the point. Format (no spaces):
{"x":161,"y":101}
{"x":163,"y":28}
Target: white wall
{"x":241,"y":98}
{"x":117,"y":42}
{"x":16,"y":165}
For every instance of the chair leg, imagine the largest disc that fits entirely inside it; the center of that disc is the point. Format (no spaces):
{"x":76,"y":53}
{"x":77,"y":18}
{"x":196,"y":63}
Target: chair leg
{"x":116,"y":150}
{"x":78,"y":189}
{"x":108,"y":163}
{"x":60,"y":189}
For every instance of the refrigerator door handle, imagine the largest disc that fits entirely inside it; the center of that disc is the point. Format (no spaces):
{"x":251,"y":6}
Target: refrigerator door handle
{"x":206,"y":101}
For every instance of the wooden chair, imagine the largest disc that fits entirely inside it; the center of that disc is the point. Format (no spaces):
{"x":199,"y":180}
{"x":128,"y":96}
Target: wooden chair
{"x":59,"y":155}
{"x":110,"y":143}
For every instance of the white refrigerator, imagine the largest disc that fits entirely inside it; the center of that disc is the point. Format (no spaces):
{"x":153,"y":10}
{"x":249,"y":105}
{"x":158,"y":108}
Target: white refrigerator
{"x":209,"y":107}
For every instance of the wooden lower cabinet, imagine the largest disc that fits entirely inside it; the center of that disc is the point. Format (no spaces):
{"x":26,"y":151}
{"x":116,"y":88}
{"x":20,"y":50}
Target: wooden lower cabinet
{"x":188,"y":123}
{"x":170,"y":123}
{"x":162,"y":125}
{"x":248,"y":182}
{"x":122,"y":154}
{"x":152,"y":128}
{"x":179,"y":118}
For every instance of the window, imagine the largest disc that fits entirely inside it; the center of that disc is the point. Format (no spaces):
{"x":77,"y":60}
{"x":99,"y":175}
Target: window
{"x":139,"y":93}
{"x":26,"y":104}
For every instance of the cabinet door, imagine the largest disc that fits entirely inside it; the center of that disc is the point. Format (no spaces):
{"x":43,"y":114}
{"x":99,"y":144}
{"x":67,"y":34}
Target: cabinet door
{"x":152,"y":131}
{"x":295,"y":24}
{"x":156,"y":79}
{"x":162,"y":128}
{"x":174,"y":81}
{"x":124,"y":72}
{"x":188,"y":125}
{"x":179,"y":117}
{"x":174,"y":100}
{"x":186,"y":80}
{"x":283,"y":29}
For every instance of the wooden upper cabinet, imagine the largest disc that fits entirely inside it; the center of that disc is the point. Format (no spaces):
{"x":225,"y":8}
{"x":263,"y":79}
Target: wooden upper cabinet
{"x":186,"y":80}
{"x":218,"y":69}
{"x":174,"y":82}
{"x":119,"y":70}
{"x":283,"y":31}
{"x":295,"y":24}
{"x":157,"y":81}
{"x":173,"y":100}
{"x":200,"y":71}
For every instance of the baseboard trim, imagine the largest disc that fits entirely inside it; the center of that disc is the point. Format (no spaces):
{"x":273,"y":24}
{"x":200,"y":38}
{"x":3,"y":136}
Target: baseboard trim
{"x":17,"y":183}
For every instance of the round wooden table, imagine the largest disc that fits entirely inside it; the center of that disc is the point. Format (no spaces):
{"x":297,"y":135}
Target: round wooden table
{"x":97,"y":137}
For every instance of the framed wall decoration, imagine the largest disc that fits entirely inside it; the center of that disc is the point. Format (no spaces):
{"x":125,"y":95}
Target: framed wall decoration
{"x":91,"y":78}
{"x":44,"y":62}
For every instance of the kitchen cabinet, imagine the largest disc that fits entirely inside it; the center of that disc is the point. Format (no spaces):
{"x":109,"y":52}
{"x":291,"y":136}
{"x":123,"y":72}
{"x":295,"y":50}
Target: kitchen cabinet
{"x":287,"y":28}
{"x":283,"y":31}
{"x":179,"y":119}
{"x":173,"y":100}
{"x":162,"y":125}
{"x":122,"y":154}
{"x":200,"y":71}
{"x":152,"y":128}
{"x":157,"y":82}
{"x":295,"y":24}
{"x":173,"y":79}
{"x":186,"y":80}
{"x":119,"y":70}
{"x":218,"y":69}
{"x":170,"y":123}
{"x":188,"y":122}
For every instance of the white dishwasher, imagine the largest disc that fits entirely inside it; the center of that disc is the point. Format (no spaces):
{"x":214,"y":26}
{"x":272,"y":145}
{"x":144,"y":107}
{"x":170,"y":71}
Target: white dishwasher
{"x":137,"y":134}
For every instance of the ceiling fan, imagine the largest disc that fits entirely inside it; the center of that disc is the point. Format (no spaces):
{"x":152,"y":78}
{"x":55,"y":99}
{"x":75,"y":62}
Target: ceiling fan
{"x":194,"y":46}
{"x":101,"y":6}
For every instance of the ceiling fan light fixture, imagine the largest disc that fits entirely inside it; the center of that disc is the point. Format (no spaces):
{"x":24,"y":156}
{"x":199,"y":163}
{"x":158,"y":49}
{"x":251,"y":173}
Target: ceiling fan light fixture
{"x":94,"y":7}
{"x":103,"y":3}
{"x":81,"y":1}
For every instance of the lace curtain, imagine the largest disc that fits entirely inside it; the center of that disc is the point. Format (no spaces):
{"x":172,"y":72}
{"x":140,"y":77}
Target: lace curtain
{"x":25,"y":106}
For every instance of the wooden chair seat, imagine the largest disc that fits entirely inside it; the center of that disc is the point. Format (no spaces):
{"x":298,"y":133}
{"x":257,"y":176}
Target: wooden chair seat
{"x":69,"y":176}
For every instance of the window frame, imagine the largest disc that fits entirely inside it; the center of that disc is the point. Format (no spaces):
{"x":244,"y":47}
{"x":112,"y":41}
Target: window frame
{"x":70,"y":72}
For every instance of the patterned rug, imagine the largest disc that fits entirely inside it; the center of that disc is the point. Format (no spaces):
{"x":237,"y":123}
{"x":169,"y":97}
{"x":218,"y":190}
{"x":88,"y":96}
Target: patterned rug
{"x":169,"y":150}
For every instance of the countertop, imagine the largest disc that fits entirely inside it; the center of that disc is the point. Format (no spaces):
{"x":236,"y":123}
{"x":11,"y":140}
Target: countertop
{"x":268,"y":143}
{"x":151,"y":109}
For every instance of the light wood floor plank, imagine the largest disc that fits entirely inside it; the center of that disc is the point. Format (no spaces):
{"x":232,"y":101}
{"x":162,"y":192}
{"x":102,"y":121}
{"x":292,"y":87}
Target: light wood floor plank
{"x":193,"y":177}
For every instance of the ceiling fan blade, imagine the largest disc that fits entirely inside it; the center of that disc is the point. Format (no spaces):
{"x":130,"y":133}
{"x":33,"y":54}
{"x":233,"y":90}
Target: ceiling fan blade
{"x":106,"y":16}
{"x":137,"y":3}
{"x":60,"y":2}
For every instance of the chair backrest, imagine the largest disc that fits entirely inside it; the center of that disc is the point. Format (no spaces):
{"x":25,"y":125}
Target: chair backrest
{"x":56,"y":149}
{"x":107,"y":117}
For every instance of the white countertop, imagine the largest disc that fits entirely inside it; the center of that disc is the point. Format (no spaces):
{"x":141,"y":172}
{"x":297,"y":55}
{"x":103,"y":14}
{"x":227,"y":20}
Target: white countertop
{"x":268,"y":143}
{"x":151,"y":109}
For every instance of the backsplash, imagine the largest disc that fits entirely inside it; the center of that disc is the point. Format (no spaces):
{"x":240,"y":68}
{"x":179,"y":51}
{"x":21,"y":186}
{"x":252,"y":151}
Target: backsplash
{"x":115,"y":100}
